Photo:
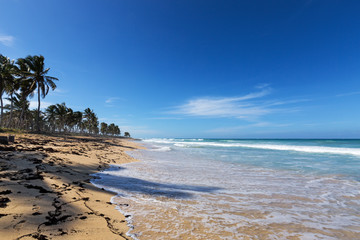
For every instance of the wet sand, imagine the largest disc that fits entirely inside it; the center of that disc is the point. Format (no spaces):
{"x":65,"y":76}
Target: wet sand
{"x":45,"y":189}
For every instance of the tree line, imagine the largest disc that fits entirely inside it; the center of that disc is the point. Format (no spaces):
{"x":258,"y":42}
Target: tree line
{"x":20,"y":80}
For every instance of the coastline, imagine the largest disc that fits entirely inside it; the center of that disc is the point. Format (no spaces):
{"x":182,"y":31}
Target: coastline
{"x":178,"y":190}
{"x":45,"y":188}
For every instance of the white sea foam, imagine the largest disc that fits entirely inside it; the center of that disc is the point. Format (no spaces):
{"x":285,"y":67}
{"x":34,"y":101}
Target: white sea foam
{"x":159,"y":140}
{"x":160,"y":149}
{"x":234,"y":144}
{"x":309,"y":149}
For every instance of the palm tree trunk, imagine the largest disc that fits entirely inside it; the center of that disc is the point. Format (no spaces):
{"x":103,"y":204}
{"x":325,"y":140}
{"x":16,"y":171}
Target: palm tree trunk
{"x":22,"y":111}
{"x":11,"y":110}
{"x":38,"y":112}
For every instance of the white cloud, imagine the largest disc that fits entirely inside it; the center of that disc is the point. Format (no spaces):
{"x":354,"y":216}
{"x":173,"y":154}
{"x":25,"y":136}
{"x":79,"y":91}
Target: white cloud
{"x":7,"y":40}
{"x":43,"y":105}
{"x":348,"y":94}
{"x":230,"y":107}
{"x":167,"y":118}
{"x":111,"y":100}
{"x":262,"y":85}
{"x":249,"y":126}
{"x":249,"y":107}
{"x":59,"y":92}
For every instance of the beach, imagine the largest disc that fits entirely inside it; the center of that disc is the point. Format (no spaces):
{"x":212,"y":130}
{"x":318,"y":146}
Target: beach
{"x":79,"y":187}
{"x":45,"y":189}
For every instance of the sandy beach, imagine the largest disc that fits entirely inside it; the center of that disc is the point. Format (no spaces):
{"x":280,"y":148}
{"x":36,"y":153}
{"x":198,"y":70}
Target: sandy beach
{"x":45,"y":189}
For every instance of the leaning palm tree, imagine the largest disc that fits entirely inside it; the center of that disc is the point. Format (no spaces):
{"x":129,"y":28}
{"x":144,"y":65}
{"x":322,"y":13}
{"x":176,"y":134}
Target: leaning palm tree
{"x":38,"y":77}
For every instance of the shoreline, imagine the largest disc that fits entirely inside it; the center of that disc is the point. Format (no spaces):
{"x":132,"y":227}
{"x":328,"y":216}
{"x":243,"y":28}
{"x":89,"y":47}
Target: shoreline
{"x":46,"y":190}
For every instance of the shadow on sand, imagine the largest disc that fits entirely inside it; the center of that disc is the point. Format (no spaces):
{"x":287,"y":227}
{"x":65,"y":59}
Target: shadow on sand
{"x":114,"y":183}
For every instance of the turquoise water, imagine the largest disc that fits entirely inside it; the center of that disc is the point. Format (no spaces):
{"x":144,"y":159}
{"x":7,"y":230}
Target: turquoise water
{"x":236,"y":189}
{"x":340,"y":157}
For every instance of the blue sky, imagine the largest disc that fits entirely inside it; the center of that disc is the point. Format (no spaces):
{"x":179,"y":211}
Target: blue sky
{"x":238,"y":69}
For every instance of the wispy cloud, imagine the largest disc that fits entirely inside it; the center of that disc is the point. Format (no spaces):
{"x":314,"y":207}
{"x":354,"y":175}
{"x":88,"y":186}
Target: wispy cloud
{"x":249,"y":126}
{"x":111,"y":100}
{"x":167,"y":118}
{"x":250,"y":106}
{"x":7,"y":40}
{"x":59,"y":92}
{"x":231,"y":107}
{"x":348,"y":94}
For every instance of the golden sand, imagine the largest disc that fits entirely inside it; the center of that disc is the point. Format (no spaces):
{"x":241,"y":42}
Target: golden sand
{"x":45,"y":189}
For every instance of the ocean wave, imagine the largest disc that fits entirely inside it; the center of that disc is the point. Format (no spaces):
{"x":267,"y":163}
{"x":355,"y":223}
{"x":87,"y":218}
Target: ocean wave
{"x":189,"y":143}
{"x":309,"y":149}
{"x":160,"y":149}
{"x":172,"y":140}
{"x":159,"y":140}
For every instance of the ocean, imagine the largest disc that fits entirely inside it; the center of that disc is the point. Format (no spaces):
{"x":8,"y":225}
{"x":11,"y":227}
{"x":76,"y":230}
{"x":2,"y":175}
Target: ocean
{"x":239,"y":189}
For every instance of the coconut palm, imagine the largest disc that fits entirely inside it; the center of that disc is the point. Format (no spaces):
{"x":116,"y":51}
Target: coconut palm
{"x":77,"y":119}
{"x":91,"y":121}
{"x":61,"y":112}
{"x":51,"y":117}
{"x":26,"y":87}
{"x":11,"y":88}
{"x":38,"y":77}
{"x":6,"y":79}
{"x":16,"y":104}
{"x":111,"y":129}
{"x":103,"y":128}
{"x":117,"y":130}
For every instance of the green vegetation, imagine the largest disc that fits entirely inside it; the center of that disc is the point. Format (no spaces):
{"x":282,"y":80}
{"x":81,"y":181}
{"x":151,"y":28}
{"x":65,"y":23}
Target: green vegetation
{"x":20,"y":80}
{"x":111,"y":129}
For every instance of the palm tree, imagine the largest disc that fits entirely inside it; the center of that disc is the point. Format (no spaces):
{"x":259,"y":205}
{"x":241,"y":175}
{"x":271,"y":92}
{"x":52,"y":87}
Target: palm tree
{"x":26,"y":87}
{"x":51,"y":117}
{"x":77,"y":118}
{"x":111,"y":129}
{"x":103,"y":128}
{"x":11,"y":88}
{"x":91,"y":121}
{"x":61,"y":112}
{"x":117,"y":130}
{"x":38,"y":77}
{"x":17,"y":105}
{"x":87,"y":118}
{"x":6,"y":79}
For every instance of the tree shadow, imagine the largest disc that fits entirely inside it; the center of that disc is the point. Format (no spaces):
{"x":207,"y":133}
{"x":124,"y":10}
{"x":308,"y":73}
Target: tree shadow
{"x":136,"y":185}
